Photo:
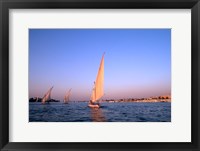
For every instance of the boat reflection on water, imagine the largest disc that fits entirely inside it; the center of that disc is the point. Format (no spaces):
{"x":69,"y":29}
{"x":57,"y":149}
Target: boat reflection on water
{"x":97,"y":115}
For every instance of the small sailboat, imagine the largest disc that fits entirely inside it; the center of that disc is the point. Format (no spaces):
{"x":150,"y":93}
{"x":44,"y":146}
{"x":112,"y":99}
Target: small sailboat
{"x":98,"y":90}
{"x":47,"y":96}
{"x":66,"y":98}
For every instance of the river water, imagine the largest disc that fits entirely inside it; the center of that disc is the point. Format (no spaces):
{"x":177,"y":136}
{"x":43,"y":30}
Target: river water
{"x":109,"y":112}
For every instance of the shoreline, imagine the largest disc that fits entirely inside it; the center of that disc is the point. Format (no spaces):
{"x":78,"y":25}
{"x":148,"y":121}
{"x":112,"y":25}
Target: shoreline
{"x":146,"y":101}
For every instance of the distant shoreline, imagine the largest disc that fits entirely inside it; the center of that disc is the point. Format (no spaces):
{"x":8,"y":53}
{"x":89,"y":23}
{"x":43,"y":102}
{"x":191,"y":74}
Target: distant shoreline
{"x":36,"y":99}
{"x":141,"y":100}
{"x":146,"y":100}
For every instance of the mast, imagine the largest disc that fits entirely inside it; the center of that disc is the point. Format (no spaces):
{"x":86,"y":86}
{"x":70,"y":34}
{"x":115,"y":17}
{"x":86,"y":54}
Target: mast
{"x":98,"y":90}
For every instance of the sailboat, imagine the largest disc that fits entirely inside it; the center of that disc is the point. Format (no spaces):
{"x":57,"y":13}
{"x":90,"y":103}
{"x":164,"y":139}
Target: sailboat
{"x":47,"y":96}
{"x":98,"y":90}
{"x":66,"y":98}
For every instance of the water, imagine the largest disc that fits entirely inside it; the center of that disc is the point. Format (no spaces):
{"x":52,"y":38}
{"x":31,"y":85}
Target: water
{"x":109,"y":112}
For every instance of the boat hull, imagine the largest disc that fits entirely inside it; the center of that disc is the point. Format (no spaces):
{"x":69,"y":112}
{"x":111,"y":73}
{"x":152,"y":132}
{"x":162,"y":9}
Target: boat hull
{"x":93,"y":105}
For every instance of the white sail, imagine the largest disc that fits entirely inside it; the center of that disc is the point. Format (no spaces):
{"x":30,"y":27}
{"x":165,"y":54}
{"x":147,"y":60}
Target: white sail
{"x":66,"y":99}
{"x":98,"y":90}
{"x":47,"y":96}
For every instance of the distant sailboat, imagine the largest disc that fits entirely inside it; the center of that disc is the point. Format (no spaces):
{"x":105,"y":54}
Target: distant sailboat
{"x":66,"y":98}
{"x":47,"y":96}
{"x":36,"y":99}
{"x":98,"y":90}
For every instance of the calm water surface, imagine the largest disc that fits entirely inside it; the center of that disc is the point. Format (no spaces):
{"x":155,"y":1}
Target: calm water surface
{"x":109,"y":112}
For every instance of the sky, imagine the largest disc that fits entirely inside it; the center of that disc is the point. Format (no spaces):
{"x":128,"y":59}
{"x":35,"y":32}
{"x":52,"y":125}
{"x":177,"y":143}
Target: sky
{"x":137,"y":62}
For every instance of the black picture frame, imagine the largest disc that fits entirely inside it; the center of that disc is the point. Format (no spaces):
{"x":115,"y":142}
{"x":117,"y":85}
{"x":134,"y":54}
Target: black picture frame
{"x":5,"y":5}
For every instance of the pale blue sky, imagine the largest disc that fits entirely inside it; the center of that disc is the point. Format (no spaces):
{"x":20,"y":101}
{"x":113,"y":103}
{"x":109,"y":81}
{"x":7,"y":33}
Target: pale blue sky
{"x":137,"y":62}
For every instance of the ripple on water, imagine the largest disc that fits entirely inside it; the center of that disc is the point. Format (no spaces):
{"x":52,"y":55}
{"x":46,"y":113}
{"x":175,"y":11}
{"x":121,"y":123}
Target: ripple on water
{"x":109,"y":112}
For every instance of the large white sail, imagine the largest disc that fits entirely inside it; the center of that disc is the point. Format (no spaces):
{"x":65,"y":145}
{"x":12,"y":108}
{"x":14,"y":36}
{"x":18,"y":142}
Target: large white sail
{"x":66,"y":99}
{"x":47,"y":96}
{"x":98,"y":90}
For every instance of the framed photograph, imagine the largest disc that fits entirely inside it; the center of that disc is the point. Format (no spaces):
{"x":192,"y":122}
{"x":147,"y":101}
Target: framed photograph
{"x":103,"y":75}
